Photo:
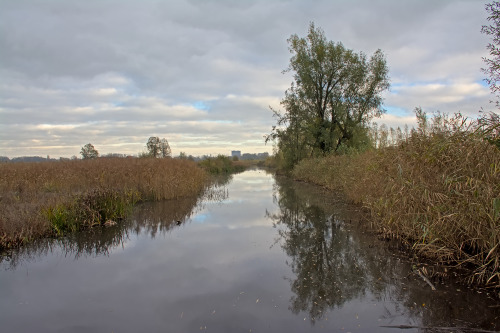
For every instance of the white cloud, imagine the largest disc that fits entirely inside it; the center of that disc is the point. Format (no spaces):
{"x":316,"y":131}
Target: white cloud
{"x":465,"y":97}
{"x":204,"y":73}
{"x":395,"y":121}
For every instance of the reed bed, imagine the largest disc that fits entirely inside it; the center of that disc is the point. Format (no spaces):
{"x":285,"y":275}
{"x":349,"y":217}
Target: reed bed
{"x":40,"y":199}
{"x":437,"y":190}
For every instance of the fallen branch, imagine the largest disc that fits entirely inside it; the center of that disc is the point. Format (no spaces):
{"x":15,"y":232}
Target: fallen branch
{"x":425,"y":279}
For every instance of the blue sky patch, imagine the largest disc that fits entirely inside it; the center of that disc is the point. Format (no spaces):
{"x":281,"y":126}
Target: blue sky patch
{"x":396,"y":111}
{"x":201,"y":106}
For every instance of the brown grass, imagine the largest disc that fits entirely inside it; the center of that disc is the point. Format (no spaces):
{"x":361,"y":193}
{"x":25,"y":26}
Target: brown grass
{"x":29,"y":190}
{"x":438,"y":190}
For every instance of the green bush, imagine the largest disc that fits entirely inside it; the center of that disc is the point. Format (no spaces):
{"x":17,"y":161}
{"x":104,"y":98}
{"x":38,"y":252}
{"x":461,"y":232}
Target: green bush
{"x":218,"y":165}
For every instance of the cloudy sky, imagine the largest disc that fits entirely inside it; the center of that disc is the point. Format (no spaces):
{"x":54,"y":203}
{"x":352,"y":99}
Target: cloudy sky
{"x":203,"y":73}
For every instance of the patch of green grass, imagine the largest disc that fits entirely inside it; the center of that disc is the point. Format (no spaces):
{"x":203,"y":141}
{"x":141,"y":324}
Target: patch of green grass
{"x":61,"y":219}
{"x":92,"y":209}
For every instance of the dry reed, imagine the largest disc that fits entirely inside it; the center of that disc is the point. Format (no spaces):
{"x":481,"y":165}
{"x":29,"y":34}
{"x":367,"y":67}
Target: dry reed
{"x":30,"y":192}
{"x":438,"y":190}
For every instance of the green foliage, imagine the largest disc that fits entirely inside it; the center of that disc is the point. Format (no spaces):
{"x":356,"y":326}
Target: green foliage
{"x":335,"y":95}
{"x":220,"y":165}
{"x":91,"y":209}
{"x":158,"y":147}
{"x":61,"y":219}
{"x":89,"y":152}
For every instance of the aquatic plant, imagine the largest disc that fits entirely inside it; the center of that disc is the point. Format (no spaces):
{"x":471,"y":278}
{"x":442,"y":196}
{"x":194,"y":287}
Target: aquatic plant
{"x":97,"y":207}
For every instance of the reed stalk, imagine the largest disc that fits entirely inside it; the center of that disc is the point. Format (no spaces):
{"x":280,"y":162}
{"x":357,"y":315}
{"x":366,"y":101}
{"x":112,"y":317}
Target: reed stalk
{"x":40,"y":199}
{"x":437,"y":190}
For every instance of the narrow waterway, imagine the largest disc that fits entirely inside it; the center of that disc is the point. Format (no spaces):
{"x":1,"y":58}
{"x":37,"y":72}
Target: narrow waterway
{"x":257,"y":253}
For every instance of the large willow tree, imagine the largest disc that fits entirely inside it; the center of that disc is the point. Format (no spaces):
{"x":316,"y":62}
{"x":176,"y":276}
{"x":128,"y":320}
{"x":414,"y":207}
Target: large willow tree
{"x":335,"y":94}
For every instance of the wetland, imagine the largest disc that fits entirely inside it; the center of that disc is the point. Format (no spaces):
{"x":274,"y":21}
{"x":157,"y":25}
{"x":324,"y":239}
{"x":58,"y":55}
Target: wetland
{"x":255,"y":253}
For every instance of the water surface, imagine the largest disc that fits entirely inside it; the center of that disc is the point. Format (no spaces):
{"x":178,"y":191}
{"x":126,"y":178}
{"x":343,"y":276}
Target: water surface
{"x":258,"y":254}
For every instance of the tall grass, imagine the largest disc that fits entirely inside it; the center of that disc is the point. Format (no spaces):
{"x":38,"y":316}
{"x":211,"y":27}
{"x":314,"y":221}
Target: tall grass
{"x":38,"y":199}
{"x":438,"y":190}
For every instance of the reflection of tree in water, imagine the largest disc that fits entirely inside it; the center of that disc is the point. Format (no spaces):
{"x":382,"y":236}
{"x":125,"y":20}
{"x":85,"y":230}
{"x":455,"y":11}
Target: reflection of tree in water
{"x":330,"y":263}
{"x":150,"y":217}
{"x":327,"y":266}
{"x":335,"y":262}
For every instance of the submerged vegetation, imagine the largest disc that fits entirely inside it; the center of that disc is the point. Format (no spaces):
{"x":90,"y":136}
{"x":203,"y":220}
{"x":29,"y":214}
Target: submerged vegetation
{"x":437,"y":189}
{"x":40,"y":199}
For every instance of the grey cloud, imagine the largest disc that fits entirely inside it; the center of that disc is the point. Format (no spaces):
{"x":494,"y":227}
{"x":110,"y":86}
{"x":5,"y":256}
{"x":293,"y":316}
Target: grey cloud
{"x":203,"y":73}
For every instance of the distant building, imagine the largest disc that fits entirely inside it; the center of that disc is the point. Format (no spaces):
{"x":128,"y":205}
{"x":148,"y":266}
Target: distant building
{"x":236,"y":153}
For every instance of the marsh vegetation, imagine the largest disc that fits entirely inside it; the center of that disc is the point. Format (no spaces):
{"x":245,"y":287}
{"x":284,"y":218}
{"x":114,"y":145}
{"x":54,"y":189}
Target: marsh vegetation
{"x":437,"y":190}
{"x":254,"y":252}
{"x":436,"y":187}
{"x":44,"y":199}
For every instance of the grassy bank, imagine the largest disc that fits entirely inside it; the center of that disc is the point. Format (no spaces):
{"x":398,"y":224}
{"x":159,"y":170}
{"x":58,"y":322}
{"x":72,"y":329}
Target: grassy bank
{"x":438,"y":190}
{"x":41,"y":199}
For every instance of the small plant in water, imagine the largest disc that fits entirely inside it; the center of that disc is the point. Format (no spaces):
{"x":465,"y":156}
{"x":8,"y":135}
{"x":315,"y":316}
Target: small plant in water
{"x":91,"y":209}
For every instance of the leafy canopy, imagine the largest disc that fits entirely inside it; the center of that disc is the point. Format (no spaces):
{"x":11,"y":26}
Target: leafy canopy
{"x":88,"y":152}
{"x":158,"y":147}
{"x":335,"y":94}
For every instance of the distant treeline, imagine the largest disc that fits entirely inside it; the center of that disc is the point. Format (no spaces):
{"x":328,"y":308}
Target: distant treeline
{"x":4,"y":159}
{"x":48,"y":159}
{"x":259,"y":156}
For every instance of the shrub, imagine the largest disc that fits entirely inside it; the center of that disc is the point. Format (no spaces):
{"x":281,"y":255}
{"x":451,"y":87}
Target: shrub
{"x":220,"y":165}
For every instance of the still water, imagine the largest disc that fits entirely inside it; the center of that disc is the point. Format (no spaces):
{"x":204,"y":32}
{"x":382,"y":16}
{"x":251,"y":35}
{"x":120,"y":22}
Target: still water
{"x":257,"y":253}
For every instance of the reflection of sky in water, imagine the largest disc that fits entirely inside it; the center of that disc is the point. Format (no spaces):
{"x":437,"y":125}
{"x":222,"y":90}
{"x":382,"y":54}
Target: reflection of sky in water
{"x":199,"y":218}
{"x":224,"y":270}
